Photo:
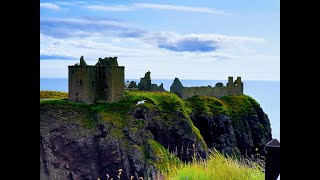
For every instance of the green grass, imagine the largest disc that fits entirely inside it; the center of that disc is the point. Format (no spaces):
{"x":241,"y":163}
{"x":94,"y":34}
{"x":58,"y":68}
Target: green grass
{"x":209,"y":105}
{"x":53,"y":95}
{"x":165,"y":159}
{"x":163,"y":101}
{"x":239,"y":105}
{"x":216,"y":167}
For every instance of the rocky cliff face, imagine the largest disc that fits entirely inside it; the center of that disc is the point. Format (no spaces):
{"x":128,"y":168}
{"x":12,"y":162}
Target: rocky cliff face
{"x":79,"y":141}
{"x":232,"y":124}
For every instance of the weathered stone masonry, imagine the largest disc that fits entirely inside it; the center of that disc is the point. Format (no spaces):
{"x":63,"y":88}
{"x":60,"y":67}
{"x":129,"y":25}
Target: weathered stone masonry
{"x":145,"y":84}
{"x":103,"y":81}
{"x":232,"y":88}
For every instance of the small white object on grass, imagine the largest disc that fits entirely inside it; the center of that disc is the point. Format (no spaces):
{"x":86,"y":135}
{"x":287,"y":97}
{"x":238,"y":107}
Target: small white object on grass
{"x":141,"y":102}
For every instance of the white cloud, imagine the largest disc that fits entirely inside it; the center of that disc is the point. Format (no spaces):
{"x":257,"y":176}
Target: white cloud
{"x":178,"y":8}
{"x":85,"y":21}
{"x":137,"y":6}
{"x":91,"y":27}
{"x":109,"y":8}
{"x":50,"y":6}
{"x":172,"y":37}
{"x":71,"y":3}
{"x":138,"y":57}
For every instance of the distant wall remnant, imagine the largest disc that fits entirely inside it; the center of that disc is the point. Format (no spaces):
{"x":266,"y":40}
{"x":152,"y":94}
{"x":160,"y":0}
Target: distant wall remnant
{"x":131,"y":85}
{"x":145,"y":84}
{"x":232,"y":88}
{"x":103,"y":81}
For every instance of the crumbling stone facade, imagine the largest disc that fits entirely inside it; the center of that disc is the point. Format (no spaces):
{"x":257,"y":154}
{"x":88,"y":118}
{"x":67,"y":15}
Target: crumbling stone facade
{"x":131,"y":85}
{"x":145,"y":84}
{"x":232,"y":88}
{"x":101,"y":82}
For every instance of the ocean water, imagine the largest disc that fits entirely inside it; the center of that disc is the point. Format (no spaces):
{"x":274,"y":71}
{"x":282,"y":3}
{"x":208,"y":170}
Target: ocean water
{"x":267,"y":93}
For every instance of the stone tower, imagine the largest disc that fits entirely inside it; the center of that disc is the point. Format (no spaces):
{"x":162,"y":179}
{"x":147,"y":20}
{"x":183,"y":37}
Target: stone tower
{"x":145,"y":82}
{"x":236,"y":87}
{"x":103,"y":81}
{"x":176,"y":87}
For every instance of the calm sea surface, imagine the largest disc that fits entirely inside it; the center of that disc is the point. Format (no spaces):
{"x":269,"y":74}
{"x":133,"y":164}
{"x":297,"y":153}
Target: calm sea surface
{"x":267,"y":93}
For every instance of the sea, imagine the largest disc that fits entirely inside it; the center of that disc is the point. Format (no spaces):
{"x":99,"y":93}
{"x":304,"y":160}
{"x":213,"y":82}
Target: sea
{"x":267,"y":93}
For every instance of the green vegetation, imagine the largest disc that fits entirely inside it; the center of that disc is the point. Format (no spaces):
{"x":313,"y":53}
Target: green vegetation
{"x":239,"y":105}
{"x":163,"y":101}
{"x":253,"y":102}
{"x":209,"y":105}
{"x":53,"y":95}
{"x":165,"y":159}
{"x":119,"y":114}
{"x":166,"y":102}
{"x":217,"y":167}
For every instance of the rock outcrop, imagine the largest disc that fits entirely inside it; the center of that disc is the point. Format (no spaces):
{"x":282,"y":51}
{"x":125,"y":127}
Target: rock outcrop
{"x":80,"y":141}
{"x":231,"y":124}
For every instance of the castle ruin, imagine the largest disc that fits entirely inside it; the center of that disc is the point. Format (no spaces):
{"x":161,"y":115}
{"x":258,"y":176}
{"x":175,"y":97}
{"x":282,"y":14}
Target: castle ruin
{"x":145,"y":84}
{"x":232,"y":88}
{"x":102,"y":82}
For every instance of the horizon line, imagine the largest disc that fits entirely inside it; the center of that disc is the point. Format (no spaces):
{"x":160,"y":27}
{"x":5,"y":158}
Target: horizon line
{"x":179,"y":79}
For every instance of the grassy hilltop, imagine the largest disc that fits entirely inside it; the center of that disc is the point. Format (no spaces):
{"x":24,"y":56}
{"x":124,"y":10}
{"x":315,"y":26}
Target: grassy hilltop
{"x":160,"y":135}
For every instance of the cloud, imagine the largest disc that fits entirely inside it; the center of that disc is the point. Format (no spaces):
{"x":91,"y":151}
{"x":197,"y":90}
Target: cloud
{"x":167,"y":7}
{"x":50,"y":6}
{"x":51,"y":57}
{"x":85,"y":27}
{"x":181,"y":43}
{"x":109,"y":8}
{"x":102,"y":27}
{"x":71,"y":3}
{"x":195,"y":42}
{"x":191,"y":45}
{"x":178,"y":8}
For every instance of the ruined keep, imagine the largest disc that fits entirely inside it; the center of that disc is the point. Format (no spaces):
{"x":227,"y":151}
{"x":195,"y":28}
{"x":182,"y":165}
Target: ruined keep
{"x":232,"y":88}
{"x":145,"y":84}
{"x":102,"y":82}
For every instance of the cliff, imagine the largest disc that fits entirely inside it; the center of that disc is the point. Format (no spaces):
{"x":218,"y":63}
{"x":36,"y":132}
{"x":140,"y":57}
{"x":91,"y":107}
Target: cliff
{"x":79,"y":141}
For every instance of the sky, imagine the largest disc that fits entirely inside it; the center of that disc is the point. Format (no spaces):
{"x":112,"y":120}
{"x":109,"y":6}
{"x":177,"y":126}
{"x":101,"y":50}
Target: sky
{"x":188,"y":39}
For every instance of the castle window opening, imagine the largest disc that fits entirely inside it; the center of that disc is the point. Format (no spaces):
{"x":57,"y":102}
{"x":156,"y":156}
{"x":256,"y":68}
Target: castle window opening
{"x":81,"y":82}
{"x":77,"y":94}
{"x":72,"y":71}
{"x":92,"y":83}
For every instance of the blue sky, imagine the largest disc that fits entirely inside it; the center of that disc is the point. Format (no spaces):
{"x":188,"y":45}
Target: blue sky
{"x":189,"y":39}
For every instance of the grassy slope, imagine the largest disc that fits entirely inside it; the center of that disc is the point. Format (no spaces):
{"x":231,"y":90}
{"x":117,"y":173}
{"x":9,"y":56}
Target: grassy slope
{"x":53,"y":95}
{"x":235,"y":106}
{"x":117,"y":113}
{"x":216,"y":167}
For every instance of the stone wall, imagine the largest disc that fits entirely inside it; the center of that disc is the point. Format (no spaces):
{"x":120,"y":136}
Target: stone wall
{"x":83,"y":82}
{"x":218,"y":92}
{"x":114,"y":81}
{"x":232,"y":88}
